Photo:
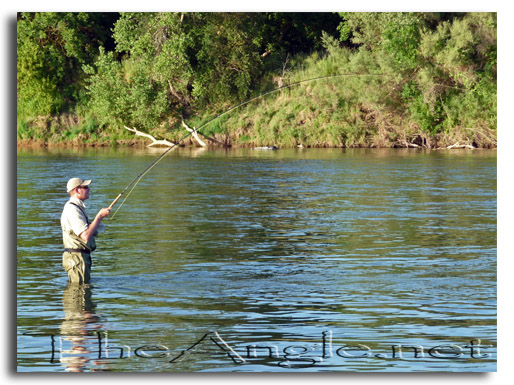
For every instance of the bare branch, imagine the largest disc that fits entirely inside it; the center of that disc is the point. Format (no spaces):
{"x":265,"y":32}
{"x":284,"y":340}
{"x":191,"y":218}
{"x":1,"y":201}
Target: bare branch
{"x":155,"y":142}
{"x":194,"y":133}
{"x":458,"y":145}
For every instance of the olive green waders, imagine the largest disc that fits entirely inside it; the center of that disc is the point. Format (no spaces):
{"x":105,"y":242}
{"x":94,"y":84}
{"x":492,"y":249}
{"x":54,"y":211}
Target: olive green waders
{"x":78,"y":266}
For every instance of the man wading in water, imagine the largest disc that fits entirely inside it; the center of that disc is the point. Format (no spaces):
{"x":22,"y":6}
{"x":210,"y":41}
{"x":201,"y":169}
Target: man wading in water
{"x":78,"y":233}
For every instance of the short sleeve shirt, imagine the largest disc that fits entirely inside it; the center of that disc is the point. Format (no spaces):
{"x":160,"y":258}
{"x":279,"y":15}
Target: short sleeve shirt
{"x":73,"y":218}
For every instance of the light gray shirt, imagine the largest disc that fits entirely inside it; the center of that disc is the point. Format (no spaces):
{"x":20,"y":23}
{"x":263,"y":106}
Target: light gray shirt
{"x":73,"y":218}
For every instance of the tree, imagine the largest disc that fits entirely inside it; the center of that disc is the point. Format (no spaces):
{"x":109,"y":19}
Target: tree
{"x":51,"y":50}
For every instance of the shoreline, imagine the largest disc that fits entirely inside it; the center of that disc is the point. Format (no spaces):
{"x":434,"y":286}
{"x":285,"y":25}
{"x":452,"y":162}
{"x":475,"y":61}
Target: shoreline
{"x":142,"y":146}
{"x":137,"y":144}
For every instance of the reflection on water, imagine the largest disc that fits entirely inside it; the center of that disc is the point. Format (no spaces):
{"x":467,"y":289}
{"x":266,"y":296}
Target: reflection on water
{"x":78,"y":314}
{"x":242,"y":260}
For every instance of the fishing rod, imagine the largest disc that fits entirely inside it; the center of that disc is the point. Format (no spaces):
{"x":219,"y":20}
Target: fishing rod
{"x":136,"y":180}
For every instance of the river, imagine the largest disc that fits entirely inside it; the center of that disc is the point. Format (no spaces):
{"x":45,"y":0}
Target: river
{"x":263,"y":261}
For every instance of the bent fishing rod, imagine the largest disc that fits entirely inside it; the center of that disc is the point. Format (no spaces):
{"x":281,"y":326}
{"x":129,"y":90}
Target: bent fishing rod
{"x":136,"y":180}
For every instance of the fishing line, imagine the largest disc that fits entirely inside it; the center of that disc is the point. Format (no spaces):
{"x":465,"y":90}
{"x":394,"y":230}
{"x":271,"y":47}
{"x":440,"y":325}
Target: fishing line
{"x":136,"y":180}
{"x":123,"y":201}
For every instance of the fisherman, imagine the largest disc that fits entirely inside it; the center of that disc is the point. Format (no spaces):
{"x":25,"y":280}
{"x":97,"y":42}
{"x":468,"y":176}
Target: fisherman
{"x":78,"y":232}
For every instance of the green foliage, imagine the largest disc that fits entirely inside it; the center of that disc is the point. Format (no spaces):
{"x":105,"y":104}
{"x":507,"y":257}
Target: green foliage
{"x":462,"y":56}
{"x":430,"y":72}
{"x":175,"y":63}
{"x":426,"y":116}
{"x":225,"y":57}
{"x":401,"y":40}
{"x":118,"y":99}
{"x":292,"y":32}
{"x":51,"y":50}
{"x":440,"y":68}
{"x":156,"y":47}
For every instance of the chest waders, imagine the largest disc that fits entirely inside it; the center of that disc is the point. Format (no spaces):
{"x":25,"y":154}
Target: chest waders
{"x":77,"y":254}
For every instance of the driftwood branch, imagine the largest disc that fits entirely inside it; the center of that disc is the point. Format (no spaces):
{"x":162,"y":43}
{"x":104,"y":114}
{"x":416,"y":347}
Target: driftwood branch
{"x":408,"y":144}
{"x":458,"y":145}
{"x":194,"y":133}
{"x":155,"y":142}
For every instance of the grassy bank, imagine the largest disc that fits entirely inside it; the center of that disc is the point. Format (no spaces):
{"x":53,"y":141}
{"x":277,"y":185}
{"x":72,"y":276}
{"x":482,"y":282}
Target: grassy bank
{"x":315,"y":115}
{"x":335,"y":112}
{"x":338,"y":111}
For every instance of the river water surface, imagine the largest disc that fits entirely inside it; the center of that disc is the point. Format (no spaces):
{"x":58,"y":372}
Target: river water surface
{"x":247,"y":260}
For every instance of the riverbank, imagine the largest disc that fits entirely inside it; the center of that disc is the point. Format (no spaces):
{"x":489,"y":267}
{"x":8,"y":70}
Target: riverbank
{"x":319,"y":114}
{"x":391,"y":80}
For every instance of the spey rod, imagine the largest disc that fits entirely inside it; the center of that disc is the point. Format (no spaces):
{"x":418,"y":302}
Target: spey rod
{"x":136,"y":180}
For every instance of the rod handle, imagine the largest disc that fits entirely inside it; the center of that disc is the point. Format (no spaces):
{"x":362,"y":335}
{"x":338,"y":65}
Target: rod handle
{"x":114,"y":201}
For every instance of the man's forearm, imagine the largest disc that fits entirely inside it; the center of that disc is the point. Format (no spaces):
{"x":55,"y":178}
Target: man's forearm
{"x":91,"y":230}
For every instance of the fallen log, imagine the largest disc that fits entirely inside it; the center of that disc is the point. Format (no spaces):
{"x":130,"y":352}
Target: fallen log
{"x":458,"y":145}
{"x":155,"y":142}
{"x":413,"y":145}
